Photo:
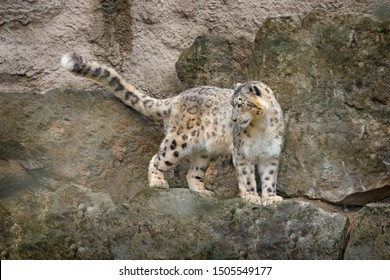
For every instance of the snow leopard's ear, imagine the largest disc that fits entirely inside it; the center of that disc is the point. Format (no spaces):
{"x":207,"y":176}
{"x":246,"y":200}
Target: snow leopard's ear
{"x":255,"y":90}
{"x":237,"y":85}
{"x":238,"y":88}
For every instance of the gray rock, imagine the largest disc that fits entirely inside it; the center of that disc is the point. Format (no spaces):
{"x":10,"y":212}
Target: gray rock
{"x":214,"y":60}
{"x":185,"y":226}
{"x":71,"y":163}
{"x":83,"y":138}
{"x":370,"y":233}
{"x":70,"y":223}
{"x":141,"y":38}
{"x":329,"y":74}
{"x":75,"y":223}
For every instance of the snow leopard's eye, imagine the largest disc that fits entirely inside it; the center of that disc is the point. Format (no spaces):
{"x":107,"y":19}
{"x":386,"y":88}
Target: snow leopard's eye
{"x":255,"y":90}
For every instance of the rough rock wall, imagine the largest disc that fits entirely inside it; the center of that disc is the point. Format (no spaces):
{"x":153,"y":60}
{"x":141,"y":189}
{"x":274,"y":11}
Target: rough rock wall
{"x":33,"y":34}
{"x":72,"y":162}
{"x":84,"y":138}
{"x":330,"y":74}
{"x":141,"y":38}
{"x":181,"y":225}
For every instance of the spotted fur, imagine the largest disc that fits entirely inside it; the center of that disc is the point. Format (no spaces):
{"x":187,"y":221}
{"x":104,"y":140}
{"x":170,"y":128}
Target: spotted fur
{"x":202,"y":122}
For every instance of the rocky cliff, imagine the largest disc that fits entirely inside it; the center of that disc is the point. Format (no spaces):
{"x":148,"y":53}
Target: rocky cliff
{"x":330,"y":75}
{"x":73,"y":161}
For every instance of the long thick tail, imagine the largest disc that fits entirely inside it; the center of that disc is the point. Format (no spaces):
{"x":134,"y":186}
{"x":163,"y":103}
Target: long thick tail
{"x":107,"y":76}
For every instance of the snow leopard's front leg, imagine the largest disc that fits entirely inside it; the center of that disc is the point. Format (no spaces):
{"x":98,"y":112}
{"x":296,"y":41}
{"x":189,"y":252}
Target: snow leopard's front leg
{"x":268,"y":171}
{"x":245,"y":173}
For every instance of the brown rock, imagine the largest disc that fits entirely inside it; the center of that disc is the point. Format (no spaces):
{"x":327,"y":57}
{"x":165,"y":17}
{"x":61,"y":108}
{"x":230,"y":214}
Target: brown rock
{"x":141,"y":39}
{"x":86,"y":138}
{"x":72,"y":162}
{"x":330,"y":76}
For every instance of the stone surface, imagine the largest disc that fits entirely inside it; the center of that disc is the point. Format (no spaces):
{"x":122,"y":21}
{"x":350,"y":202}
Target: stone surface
{"x":215,"y":60}
{"x":34,"y":34}
{"x":143,"y":39}
{"x":85,"y":138}
{"x":201,"y":228}
{"x":69,"y":223}
{"x":370,"y":233}
{"x":72,"y":162}
{"x":330,"y":76}
{"x":75,"y":223}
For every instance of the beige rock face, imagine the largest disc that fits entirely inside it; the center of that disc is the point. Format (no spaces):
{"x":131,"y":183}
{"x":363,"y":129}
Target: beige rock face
{"x":173,"y":224}
{"x":89,"y":139}
{"x":73,"y":160}
{"x":329,"y":73}
{"x":143,"y":39}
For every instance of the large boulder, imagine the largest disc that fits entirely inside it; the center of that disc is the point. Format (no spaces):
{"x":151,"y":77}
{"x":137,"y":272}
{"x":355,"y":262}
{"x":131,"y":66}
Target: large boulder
{"x":184,"y":226}
{"x":330,"y":76}
{"x":75,"y":223}
{"x":70,"y":223}
{"x":84,"y":138}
